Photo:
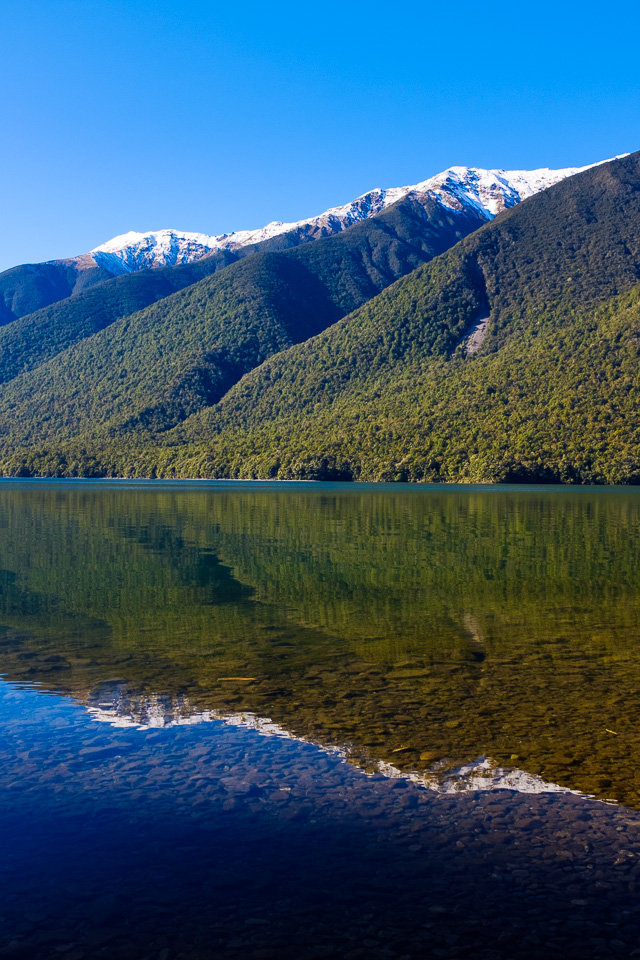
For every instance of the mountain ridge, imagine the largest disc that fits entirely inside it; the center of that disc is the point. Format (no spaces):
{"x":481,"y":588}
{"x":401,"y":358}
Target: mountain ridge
{"x":487,"y":191}
{"x":28,"y":287}
{"x":186,"y":349}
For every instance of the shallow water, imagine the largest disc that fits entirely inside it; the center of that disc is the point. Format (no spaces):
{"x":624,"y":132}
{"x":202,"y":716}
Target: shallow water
{"x":440,"y":669}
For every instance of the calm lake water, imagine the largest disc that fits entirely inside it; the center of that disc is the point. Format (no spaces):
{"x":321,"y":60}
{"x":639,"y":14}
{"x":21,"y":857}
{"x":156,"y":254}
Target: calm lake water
{"x":318,"y":720}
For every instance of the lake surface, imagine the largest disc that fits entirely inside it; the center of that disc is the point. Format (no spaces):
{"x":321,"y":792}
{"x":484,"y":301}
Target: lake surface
{"x":318,"y":720}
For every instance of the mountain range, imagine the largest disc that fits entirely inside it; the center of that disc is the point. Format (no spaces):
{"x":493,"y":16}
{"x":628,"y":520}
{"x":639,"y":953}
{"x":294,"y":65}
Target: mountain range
{"x":484,"y":193}
{"x":480,"y":326}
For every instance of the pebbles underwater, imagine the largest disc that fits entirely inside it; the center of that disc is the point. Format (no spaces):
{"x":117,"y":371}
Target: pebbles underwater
{"x":211,"y":840}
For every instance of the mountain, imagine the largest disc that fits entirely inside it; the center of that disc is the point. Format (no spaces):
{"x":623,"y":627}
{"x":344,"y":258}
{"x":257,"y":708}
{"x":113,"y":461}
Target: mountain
{"x":392,"y":392}
{"x":150,"y":370}
{"x":400,"y":238}
{"x":29,"y":287}
{"x":27,"y":342}
{"x":511,"y":355}
{"x":486,"y":192}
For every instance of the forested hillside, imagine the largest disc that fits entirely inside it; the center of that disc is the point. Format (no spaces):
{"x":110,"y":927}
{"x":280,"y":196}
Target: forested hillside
{"x":390,"y":392}
{"x":150,"y":370}
{"x":32,"y":339}
{"x":260,"y":377}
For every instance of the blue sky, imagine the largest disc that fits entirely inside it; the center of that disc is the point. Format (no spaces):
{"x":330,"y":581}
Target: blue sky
{"x":215,"y":116}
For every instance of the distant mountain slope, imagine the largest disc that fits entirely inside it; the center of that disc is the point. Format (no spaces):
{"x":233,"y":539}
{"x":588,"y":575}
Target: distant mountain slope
{"x":29,"y":287}
{"x":31,"y":340}
{"x":150,"y":370}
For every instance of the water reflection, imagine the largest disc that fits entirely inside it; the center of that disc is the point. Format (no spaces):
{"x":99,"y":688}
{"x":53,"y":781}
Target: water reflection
{"x":418,"y":628}
{"x":213,"y":840}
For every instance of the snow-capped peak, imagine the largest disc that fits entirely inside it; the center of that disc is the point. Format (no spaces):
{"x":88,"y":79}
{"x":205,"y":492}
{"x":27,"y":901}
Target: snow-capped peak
{"x":159,"y":248}
{"x":473,"y":189}
{"x":489,"y":191}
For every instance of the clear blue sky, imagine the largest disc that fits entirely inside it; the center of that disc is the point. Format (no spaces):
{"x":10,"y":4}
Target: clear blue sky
{"x":211,"y":116}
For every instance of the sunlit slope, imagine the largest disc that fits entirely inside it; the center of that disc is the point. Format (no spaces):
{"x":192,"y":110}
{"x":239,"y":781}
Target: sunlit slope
{"x":390,"y":391}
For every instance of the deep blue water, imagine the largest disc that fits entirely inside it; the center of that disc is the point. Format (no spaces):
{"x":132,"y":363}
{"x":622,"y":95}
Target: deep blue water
{"x":211,"y":840}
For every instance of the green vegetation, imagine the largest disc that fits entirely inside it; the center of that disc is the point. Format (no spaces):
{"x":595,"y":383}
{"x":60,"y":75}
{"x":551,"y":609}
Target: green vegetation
{"x":32,"y":340}
{"x":388,"y":393}
{"x":560,"y":402}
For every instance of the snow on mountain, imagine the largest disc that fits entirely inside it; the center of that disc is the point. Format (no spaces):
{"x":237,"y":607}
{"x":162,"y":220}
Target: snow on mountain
{"x":486,"y":192}
{"x":159,"y":248}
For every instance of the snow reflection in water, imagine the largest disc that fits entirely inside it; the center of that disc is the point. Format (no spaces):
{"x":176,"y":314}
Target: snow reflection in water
{"x":157,"y":711}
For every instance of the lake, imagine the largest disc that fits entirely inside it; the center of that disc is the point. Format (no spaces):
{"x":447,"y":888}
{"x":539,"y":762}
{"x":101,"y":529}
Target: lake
{"x":318,"y":720}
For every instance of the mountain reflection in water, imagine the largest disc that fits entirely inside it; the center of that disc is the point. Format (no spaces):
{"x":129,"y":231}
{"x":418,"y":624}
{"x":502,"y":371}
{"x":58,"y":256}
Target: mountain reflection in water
{"x":420,"y":628}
